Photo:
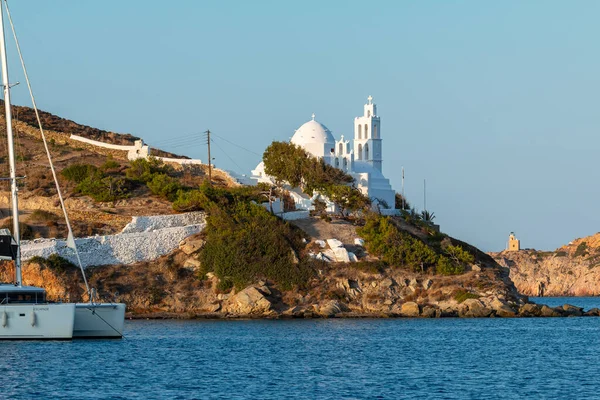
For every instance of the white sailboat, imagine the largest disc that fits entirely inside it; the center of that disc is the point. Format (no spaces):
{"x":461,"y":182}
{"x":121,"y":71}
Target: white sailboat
{"x":25,"y":312}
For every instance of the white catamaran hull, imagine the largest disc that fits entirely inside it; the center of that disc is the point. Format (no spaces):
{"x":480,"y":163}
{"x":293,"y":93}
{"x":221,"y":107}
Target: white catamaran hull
{"x":104,"y":320}
{"x":37,"y":321}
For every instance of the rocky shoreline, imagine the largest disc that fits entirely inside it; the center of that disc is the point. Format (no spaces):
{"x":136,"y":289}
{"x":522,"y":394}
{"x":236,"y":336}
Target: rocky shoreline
{"x":529,"y":310}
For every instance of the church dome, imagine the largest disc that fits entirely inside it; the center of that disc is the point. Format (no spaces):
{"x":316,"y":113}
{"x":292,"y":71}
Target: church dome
{"x":313,"y":132}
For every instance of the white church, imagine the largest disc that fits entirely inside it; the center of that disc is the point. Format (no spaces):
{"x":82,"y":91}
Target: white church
{"x":360,"y":157}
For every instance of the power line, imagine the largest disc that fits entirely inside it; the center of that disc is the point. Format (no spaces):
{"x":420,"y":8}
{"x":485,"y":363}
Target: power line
{"x":237,"y":145}
{"x":240,"y":169}
{"x":187,"y":136}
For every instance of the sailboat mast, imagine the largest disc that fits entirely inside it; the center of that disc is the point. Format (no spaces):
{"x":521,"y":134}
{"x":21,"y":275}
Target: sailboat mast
{"x":11,"y":152}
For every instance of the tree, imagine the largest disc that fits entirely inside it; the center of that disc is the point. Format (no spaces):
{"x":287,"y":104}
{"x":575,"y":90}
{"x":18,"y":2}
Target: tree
{"x":347,"y":198}
{"x":288,"y":163}
{"x":285,"y":162}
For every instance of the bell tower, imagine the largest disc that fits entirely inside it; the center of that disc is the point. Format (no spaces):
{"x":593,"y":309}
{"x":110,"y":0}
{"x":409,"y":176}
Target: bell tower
{"x":367,"y":136}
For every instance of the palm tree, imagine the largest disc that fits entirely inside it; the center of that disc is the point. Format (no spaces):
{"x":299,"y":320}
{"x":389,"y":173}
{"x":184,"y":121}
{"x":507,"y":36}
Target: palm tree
{"x":427,"y":216}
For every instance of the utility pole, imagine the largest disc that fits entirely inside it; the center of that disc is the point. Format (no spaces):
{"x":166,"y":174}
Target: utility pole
{"x":424,"y":195}
{"x":209,"y":159}
{"x":403,"y":206}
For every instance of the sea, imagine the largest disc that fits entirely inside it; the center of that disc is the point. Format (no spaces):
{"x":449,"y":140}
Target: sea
{"x":518,"y":358}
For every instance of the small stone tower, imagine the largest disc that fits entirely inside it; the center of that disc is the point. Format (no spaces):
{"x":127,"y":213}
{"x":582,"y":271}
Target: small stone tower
{"x":514,"y":244}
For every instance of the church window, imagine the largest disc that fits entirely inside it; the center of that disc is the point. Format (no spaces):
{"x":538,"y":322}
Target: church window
{"x":375,"y":131}
{"x":360,"y":131}
{"x":366,"y":131}
{"x":360,"y":151}
{"x":337,"y":162}
{"x":341,"y":146}
{"x":345,"y":163}
{"x":369,"y":113}
{"x":366,"y":151}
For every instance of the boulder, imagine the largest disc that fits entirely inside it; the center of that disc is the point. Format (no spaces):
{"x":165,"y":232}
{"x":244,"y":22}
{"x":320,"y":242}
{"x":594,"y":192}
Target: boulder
{"x":192,"y":264}
{"x":572,"y":311}
{"x":530,"y":310}
{"x":321,"y":257}
{"x":331,"y":308}
{"x":410,"y":309}
{"x":334,"y":243}
{"x":294,"y":312}
{"x":448,"y":313}
{"x":330,"y":254}
{"x":502,"y":309}
{"x":387,"y":283}
{"x":431,"y":312}
{"x":191,"y":245}
{"x":359,"y":242}
{"x":341,"y":255}
{"x":594,"y":312}
{"x":546,"y":311}
{"x":295,"y":259}
{"x":352,"y":257}
{"x":250,"y":301}
{"x":214,"y":307}
{"x":427,"y":284}
{"x":473,"y":308}
{"x":476,"y":268}
{"x":321,"y":243}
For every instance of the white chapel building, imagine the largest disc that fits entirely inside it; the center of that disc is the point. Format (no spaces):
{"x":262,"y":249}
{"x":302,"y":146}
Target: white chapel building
{"x":360,"y":157}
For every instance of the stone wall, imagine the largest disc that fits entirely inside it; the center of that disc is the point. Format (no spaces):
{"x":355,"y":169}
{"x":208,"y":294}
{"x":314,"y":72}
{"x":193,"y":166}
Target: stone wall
{"x":143,"y":239}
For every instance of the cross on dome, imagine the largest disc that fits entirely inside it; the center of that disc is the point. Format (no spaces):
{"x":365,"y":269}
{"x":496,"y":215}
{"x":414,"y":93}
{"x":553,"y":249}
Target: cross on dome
{"x":370,"y":98}
{"x":313,"y":116}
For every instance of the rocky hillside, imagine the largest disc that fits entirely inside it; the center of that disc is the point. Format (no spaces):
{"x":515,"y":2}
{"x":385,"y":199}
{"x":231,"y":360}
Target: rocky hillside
{"x":172,"y":287}
{"x":571,"y":270}
{"x":66,"y":127}
{"x":38,"y":200}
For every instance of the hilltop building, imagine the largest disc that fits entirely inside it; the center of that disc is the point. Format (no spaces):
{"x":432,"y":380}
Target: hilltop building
{"x":514,"y":244}
{"x":361,"y":157}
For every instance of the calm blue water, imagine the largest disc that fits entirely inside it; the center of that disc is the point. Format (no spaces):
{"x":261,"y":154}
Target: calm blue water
{"x":316,"y":359}
{"x":585,"y":302}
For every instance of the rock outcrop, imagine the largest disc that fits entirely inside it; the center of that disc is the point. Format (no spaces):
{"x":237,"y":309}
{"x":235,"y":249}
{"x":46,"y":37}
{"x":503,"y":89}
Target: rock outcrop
{"x":572,"y":270}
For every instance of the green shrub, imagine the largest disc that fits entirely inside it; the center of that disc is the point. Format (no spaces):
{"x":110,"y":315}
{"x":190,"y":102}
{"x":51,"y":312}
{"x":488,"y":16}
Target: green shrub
{"x":187,"y":201}
{"x":164,"y":186}
{"x":561,"y":254}
{"x":396,"y":247}
{"x":206,"y":196}
{"x":143,"y":170}
{"x":462,"y":295}
{"x":42,"y":216}
{"x":582,"y":250}
{"x":79,"y":172}
{"x":445,"y":266}
{"x":110,"y":165}
{"x":54,"y":262}
{"x":103,"y":189}
{"x":244,"y":243}
{"x":459,"y":255}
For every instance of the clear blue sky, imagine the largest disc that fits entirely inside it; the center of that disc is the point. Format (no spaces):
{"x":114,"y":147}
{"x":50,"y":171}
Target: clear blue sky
{"x":494,"y":103}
